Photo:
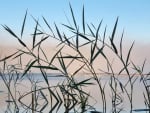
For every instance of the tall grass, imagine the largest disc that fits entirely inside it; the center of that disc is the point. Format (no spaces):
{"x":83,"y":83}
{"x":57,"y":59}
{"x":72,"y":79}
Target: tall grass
{"x":70,"y":93}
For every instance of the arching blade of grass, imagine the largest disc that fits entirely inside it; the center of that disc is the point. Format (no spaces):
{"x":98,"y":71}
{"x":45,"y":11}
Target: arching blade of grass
{"x":55,"y":56}
{"x":12,"y":33}
{"x":73,"y":17}
{"x":83,"y":36}
{"x":49,"y":26}
{"x":45,"y":67}
{"x":121,"y":44}
{"x":60,"y":37}
{"x":34,"y":35}
{"x":85,"y":82}
{"x":69,"y":57}
{"x":22,"y":43}
{"x":8,"y":56}
{"x":91,"y":31}
{"x":114,"y":30}
{"x":28,"y":67}
{"x":77,"y":40}
{"x":80,"y":68}
{"x":43,"y":53}
{"x":43,"y":39}
{"x":112,"y":37}
{"x":100,"y":51}
{"x":71,"y":28}
{"x":95,"y":43}
{"x":67,"y":40}
{"x":128,"y":56}
{"x":97,"y":31}
{"x":83,"y":20}
{"x":62,"y":63}
{"x":104,"y":35}
{"x":23,"y":24}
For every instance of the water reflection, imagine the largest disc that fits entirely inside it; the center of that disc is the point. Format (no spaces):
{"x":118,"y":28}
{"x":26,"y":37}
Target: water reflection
{"x":33,"y":95}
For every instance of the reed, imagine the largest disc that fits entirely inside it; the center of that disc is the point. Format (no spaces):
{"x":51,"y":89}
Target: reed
{"x":70,"y":93}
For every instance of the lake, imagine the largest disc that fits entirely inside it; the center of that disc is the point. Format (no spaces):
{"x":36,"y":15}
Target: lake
{"x":35,"y":82}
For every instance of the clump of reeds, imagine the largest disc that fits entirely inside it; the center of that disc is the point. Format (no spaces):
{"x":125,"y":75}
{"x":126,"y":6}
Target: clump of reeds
{"x":70,"y":92}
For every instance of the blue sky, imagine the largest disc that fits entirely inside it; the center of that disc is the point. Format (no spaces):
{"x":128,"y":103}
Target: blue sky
{"x":133,"y":15}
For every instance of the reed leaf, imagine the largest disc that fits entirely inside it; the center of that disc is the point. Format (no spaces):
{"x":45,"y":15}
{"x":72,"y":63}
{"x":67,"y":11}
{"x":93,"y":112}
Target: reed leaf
{"x":34,"y":35}
{"x":121,"y":44}
{"x":55,"y":56}
{"x":77,"y":40}
{"x":83,"y":20}
{"x":48,"y":26}
{"x":114,"y":30}
{"x":78,"y":69}
{"x":73,"y":17}
{"x":71,"y":28}
{"x":43,"y":39}
{"x":97,"y":31}
{"x":91,"y":31}
{"x":96,"y":38}
{"x":85,"y":82}
{"x":69,"y":57}
{"x":128,"y":56}
{"x":28,"y":67}
{"x":67,"y":40}
{"x":10,"y":31}
{"x":4,"y":59}
{"x":45,"y":67}
{"x":98,"y":52}
{"x":22,"y":43}
{"x":104,"y":35}
{"x":83,"y":36}
{"x":60,"y":37}
{"x":23,"y":25}
{"x":112,"y":37}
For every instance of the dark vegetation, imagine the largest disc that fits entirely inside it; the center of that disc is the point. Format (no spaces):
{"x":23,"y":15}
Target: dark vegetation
{"x":70,"y":93}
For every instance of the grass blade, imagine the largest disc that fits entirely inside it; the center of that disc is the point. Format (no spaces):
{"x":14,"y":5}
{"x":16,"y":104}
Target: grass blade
{"x":55,"y":55}
{"x":28,"y":67}
{"x":114,"y":30}
{"x":71,"y":28}
{"x":22,"y":43}
{"x":58,"y":32}
{"x":34,"y":35}
{"x":10,"y":31}
{"x":91,"y":31}
{"x":23,"y":24}
{"x":129,"y":53}
{"x":99,"y":51}
{"x":83,"y":20}
{"x":121,"y":44}
{"x":73,"y":17}
{"x":104,"y":35}
{"x":45,"y":67}
{"x":95,"y":44}
{"x":77,"y":40}
{"x":48,"y":26}
{"x":41,"y":41}
{"x":8,"y":57}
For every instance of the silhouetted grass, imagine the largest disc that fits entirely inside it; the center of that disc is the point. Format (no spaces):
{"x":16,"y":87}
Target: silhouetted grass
{"x":70,"y":93}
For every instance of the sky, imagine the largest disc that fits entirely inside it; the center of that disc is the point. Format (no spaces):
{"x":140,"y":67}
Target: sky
{"x":134,"y":17}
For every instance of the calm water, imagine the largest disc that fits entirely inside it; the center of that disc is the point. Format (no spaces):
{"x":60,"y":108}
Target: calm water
{"x":25,"y":86}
